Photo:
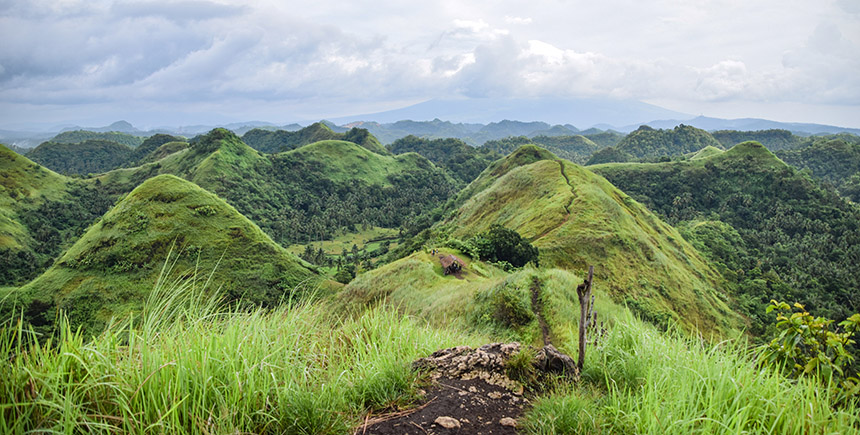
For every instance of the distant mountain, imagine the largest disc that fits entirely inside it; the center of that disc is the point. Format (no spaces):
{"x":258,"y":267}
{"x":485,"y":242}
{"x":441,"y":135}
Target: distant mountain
{"x":743,"y":124}
{"x":581,"y":111}
{"x":78,"y":136}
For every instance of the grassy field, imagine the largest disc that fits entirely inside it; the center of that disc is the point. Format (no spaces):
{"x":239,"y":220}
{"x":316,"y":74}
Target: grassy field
{"x":361,"y":239}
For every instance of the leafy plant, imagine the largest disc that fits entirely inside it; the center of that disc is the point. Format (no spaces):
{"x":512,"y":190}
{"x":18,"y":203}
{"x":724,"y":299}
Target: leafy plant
{"x":807,"y":345}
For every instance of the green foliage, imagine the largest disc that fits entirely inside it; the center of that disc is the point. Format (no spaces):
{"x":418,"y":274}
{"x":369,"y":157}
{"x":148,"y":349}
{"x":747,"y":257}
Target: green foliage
{"x":277,"y":141}
{"x":89,"y":156}
{"x":499,"y":244}
{"x":773,"y":139}
{"x":609,"y":155}
{"x":575,"y":148}
{"x":648,"y":142}
{"x":78,"y":136}
{"x":189,"y":365}
{"x":149,"y":146}
{"x":836,"y":161}
{"x":806,"y":345}
{"x":110,"y":269}
{"x":464,"y":162}
{"x":801,"y":241}
{"x":504,"y":306}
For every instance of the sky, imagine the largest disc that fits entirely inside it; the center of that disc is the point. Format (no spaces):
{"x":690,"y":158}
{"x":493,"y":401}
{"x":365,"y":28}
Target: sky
{"x":170,"y":63}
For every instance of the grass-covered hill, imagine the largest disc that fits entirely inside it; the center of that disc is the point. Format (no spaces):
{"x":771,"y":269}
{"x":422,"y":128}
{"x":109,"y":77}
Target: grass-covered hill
{"x":785,"y":237}
{"x":576,"y":218}
{"x":269,"y":141}
{"x":609,"y":155}
{"x":78,"y":136}
{"x":146,"y":150}
{"x":575,"y":148}
{"x":306,"y":194}
{"x":86,"y":157}
{"x":112,"y":268}
{"x":835,"y":160}
{"x":464,"y":161}
{"x":41,"y":213}
{"x":647,"y":142}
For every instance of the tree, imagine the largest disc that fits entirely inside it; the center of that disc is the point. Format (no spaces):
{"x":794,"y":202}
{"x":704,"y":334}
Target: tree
{"x":502,"y":244}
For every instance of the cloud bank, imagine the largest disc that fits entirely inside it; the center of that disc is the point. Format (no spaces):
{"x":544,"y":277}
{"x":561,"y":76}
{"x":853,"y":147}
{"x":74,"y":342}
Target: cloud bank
{"x":277,"y":60}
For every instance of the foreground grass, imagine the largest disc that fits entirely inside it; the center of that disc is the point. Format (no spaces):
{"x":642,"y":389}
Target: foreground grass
{"x":643,"y":381}
{"x":188,"y":367}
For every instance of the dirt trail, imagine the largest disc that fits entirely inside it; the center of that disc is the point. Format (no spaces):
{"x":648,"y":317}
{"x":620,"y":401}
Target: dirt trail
{"x":537,"y":307}
{"x":566,"y":207}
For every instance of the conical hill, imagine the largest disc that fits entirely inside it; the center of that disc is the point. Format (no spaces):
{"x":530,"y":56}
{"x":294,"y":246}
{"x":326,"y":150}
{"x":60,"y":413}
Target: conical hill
{"x":114,"y":266}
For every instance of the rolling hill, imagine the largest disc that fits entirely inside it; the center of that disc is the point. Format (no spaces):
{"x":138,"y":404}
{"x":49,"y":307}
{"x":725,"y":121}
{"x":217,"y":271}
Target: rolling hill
{"x":647,"y":142}
{"x":269,"y":141}
{"x":41,"y":213}
{"x":576,"y":218}
{"x":802,"y":241}
{"x":836,"y":161}
{"x":575,"y":148}
{"x":112,"y":268}
{"x":81,"y":158}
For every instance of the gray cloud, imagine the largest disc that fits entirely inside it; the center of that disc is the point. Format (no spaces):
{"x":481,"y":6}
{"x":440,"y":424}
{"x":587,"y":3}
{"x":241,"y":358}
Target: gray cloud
{"x":217,"y":54}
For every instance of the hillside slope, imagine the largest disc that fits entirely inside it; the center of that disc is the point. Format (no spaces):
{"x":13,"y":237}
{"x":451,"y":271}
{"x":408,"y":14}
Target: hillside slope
{"x":41,"y":213}
{"x":803,"y":241}
{"x":275,"y":141}
{"x":647,"y":142}
{"x":112,"y":268}
{"x":307,"y":194}
{"x":89,"y":156}
{"x":577,"y":218}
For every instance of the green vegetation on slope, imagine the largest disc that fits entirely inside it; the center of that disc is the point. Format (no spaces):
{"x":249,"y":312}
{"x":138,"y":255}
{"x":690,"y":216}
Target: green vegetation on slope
{"x":465,"y":162}
{"x":150,"y":146}
{"x":269,"y":141}
{"x":576,"y":219}
{"x":575,"y":148}
{"x":79,"y":136}
{"x":308,"y":194}
{"x":647,"y":142}
{"x":801,"y":242}
{"x":834,"y":160}
{"x":609,"y":155}
{"x":773,"y":139}
{"x":41,"y":213}
{"x":89,"y":156}
{"x":111,"y":269}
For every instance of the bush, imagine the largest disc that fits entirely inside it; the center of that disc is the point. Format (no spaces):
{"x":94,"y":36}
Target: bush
{"x":499,"y":244}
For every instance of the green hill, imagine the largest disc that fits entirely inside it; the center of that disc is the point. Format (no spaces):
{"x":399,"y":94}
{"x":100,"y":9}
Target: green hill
{"x":150,"y":145}
{"x":89,"y":156}
{"x":464,"y":161}
{"x":576,"y":219}
{"x":773,"y":139}
{"x":78,"y":136}
{"x":269,"y":141}
{"x":311,"y":193}
{"x":576,"y":148}
{"x":609,"y":155}
{"x":112,"y":268}
{"x":834,"y":160}
{"x":41,"y":213}
{"x":647,"y":142}
{"x":802,"y":240}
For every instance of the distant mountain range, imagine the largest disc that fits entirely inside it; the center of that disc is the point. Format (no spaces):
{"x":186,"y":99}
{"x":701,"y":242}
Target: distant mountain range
{"x":477,"y":120}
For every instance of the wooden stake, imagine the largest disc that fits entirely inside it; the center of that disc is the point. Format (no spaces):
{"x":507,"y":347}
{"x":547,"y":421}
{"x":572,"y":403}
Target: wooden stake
{"x":583,"y":291}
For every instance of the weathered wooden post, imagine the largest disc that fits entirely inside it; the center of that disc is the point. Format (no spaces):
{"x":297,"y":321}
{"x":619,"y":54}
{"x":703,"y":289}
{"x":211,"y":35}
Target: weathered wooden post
{"x":586,"y":304}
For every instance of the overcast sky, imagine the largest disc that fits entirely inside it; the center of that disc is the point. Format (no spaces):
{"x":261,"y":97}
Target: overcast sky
{"x":156,"y":63}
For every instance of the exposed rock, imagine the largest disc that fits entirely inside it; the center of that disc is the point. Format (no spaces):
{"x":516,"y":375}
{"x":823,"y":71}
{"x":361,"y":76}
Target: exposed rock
{"x":507,"y":421}
{"x":447,"y":422}
{"x":550,"y":360}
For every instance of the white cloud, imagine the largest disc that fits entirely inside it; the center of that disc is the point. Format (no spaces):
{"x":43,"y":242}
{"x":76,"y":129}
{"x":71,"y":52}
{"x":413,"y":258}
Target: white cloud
{"x":178,"y":52}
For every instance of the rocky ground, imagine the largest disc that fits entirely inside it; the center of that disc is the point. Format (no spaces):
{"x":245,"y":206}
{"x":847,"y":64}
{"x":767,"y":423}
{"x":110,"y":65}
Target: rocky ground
{"x":470,"y":392}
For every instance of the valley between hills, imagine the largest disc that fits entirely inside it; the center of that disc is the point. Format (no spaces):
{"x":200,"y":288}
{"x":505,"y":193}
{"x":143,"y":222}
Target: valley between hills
{"x":289,"y":281}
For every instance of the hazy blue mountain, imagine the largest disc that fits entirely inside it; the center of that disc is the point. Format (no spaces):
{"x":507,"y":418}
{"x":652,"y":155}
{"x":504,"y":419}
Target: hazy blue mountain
{"x":585,"y":112}
{"x":744,"y":124}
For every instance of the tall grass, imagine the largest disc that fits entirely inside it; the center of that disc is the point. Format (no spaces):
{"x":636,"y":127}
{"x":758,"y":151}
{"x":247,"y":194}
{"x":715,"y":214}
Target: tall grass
{"x":643,"y":381}
{"x":191,"y":366}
